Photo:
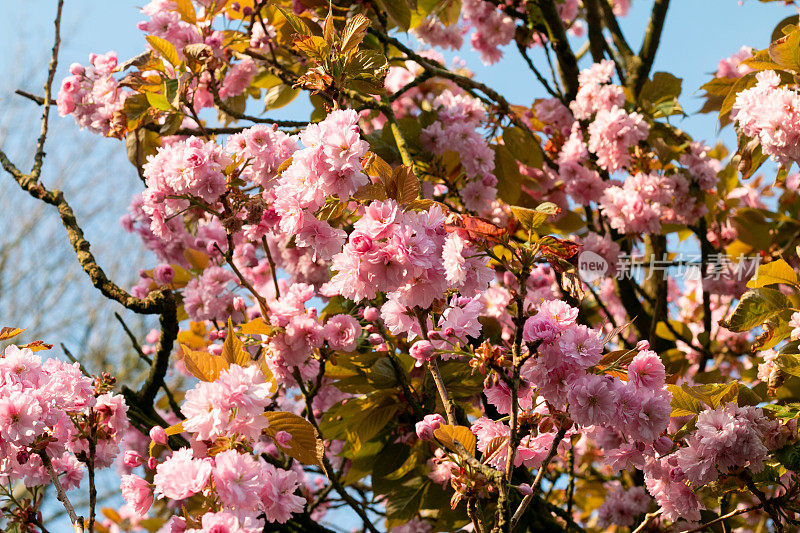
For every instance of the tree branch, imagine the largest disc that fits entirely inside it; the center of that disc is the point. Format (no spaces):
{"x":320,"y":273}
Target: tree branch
{"x":38,"y":158}
{"x":647,"y":54}
{"x":567,"y":63}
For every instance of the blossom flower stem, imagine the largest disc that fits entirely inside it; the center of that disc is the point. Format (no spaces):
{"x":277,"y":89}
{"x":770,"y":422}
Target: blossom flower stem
{"x":262,"y":303}
{"x":272,"y":267}
{"x":433,"y":367}
{"x":705,"y":251}
{"x":90,"y":466}
{"x":767,"y":503}
{"x":472,"y":513}
{"x":327,"y":468}
{"x":449,"y":408}
{"x":724,"y":517}
{"x":546,"y":84}
{"x":649,"y":517}
{"x":38,"y":158}
{"x":539,"y":476}
{"x":76,"y":520}
{"x":400,"y":141}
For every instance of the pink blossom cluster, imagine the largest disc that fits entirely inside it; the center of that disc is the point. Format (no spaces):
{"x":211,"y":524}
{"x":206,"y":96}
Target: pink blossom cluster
{"x":726,"y":438}
{"x":166,"y":22}
{"x":433,"y":32}
{"x":770,"y":113}
{"x":701,"y":168}
{"x":410,"y":257}
{"x":639,"y":408}
{"x":532,"y":450}
{"x":457,"y":130}
{"x":190,"y":168}
{"x":621,"y":506}
{"x":645,"y":201}
{"x":92,"y":96}
{"x":47,"y":408}
{"x":244,"y":488}
{"x":492,"y":29}
{"x":232,"y":405}
{"x":732,"y":66}
{"x":303,"y":332}
{"x":328,"y":166}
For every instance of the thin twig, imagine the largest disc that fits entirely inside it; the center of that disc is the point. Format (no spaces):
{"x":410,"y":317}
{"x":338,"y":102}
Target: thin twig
{"x":38,"y":158}
{"x":539,"y":476}
{"x":77,"y":521}
{"x":649,"y":517}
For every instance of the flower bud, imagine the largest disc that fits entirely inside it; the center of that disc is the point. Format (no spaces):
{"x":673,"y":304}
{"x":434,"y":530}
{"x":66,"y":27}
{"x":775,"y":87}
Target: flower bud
{"x":158,"y":435}
{"x":428,"y":425}
{"x":132,"y":458}
{"x":422,"y":351}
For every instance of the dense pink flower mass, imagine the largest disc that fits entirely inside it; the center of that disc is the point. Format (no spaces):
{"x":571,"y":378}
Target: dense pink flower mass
{"x":771,"y":113}
{"x":92,"y":95}
{"x":48,"y":406}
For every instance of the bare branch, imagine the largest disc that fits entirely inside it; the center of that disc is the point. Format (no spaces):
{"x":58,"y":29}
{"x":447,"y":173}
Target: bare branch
{"x":38,"y":158}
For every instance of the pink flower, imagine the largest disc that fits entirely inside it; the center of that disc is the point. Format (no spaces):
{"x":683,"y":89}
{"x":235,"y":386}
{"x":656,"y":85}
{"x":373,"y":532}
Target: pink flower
{"x":591,"y":400}
{"x":181,"y":475}
{"x":342,"y":332}
{"x":277,"y":494}
{"x":423,"y":351}
{"x":137,"y":493}
{"x":647,"y":371}
{"x":611,"y":135}
{"x":428,"y":425}
{"x":237,"y":480}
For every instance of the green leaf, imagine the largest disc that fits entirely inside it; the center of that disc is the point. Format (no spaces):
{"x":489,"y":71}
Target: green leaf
{"x":683,"y":403}
{"x":399,"y":12}
{"x":754,"y":308}
{"x":777,"y":271}
{"x":404,"y":501}
{"x":788,"y":456}
{"x":158,"y":101}
{"x":523,"y":146}
{"x":165,"y":49}
{"x":789,"y":363}
{"x":279,"y":96}
{"x":304,"y":444}
{"x":786,"y":51}
{"x":509,"y":179}
{"x":530,"y":219}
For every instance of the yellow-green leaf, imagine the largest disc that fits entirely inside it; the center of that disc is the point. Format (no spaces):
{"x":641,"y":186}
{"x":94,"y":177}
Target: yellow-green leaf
{"x":279,"y":96}
{"x":233,"y":350}
{"x":186,"y":10}
{"x":354,"y":32}
{"x":165,"y":49}
{"x":203,"y":365}
{"x":447,"y":435}
{"x":9,"y":333}
{"x":304,"y":444}
{"x":754,"y":308}
{"x":777,"y":271}
{"x":257,"y":326}
{"x":523,"y":146}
